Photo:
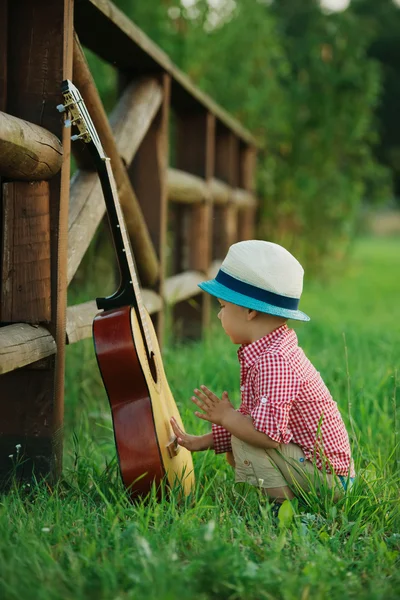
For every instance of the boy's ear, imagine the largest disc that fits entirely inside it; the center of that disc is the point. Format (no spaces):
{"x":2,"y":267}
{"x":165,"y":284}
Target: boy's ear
{"x":251,"y":314}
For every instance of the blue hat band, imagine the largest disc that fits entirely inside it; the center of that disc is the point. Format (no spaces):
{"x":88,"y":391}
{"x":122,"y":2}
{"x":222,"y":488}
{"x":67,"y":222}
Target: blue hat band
{"x":255,"y":292}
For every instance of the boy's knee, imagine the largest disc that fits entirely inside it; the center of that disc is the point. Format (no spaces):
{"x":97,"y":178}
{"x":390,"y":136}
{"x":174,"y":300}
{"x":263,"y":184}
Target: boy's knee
{"x":230,"y":459}
{"x":280,"y":494}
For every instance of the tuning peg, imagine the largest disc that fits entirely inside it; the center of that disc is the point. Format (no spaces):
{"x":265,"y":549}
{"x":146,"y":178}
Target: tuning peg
{"x":76,"y":137}
{"x":60,"y":108}
{"x":67,"y":123}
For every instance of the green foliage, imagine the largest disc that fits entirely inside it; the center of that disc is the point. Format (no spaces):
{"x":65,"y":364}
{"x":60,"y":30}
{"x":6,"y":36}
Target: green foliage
{"x":303,"y":82}
{"x":83,"y":539}
{"x":382,"y":19}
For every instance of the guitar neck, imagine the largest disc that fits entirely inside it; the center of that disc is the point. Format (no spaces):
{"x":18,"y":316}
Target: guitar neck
{"x":129,"y":292}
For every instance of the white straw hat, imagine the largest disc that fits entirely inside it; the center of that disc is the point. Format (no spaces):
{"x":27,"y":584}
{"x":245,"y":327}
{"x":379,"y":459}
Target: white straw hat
{"x":262,"y":276}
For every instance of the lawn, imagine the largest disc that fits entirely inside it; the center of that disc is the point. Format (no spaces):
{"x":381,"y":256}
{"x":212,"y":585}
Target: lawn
{"x":83,"y":539}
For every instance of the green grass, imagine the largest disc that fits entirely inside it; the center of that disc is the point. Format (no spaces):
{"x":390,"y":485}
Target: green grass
{"x":83,"y":539}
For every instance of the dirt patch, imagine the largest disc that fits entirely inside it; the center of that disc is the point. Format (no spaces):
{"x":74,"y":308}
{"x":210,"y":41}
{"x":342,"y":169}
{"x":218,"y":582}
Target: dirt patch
{"x":384,"y":224}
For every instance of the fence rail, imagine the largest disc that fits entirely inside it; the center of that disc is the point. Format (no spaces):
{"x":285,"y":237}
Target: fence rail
{"x":204,"y":198}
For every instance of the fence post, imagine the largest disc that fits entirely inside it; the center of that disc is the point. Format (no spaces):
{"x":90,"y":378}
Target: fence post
{"x":226,"y":169}
{"x":195,"y":139}
{"x":247,"y":164}
{"x":31,"y":398}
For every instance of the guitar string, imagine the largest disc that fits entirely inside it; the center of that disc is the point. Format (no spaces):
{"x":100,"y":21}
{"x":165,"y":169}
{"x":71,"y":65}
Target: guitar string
{"x":82,"y":110}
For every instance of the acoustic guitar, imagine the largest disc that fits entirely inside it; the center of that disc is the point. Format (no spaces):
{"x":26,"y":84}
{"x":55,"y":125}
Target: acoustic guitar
{"x":127,"y":349}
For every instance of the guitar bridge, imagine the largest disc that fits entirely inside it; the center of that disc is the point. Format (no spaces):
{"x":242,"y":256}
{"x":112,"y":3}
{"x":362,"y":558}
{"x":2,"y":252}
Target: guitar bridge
{"x":173,"y":448}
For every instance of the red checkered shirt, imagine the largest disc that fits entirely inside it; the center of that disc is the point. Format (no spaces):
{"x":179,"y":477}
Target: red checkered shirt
{"x":287,"y":399}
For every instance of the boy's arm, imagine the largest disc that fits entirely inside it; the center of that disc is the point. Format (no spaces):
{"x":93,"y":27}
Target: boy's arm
{"x":242,"y":427}
{"x":221,"y":412}
{"x":193,"y":443}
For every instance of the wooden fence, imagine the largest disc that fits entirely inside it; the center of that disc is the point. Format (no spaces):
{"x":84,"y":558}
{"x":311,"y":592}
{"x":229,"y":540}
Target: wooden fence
{"x":204,"y":201}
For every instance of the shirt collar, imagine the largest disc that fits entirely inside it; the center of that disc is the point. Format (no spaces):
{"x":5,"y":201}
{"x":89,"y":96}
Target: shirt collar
{"x":248,"y":353}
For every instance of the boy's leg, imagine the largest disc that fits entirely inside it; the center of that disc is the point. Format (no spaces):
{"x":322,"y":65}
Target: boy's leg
{"x":230,"y":460}
{"x":280,"y":473}
{"x":279,"y":494}
{"x":300,"y":473}
{"x":255,"y":467}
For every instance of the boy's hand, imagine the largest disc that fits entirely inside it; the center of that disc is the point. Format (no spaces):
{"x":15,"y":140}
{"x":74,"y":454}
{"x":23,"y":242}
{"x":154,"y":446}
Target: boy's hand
{"x":215,"y":409}
{"x":193,"y":443}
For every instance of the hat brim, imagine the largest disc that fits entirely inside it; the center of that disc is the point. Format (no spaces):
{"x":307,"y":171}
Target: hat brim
{"x":214,"y":288}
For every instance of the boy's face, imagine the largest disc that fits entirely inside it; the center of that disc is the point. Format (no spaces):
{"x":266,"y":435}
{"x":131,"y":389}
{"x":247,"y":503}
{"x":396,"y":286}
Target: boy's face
{"x":235,"y":321}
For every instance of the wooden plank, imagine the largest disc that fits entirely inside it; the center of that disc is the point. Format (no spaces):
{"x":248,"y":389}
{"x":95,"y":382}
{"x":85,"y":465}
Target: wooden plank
{"x":3,"y":53}
{"x":23,"y":344}
{"x":221,"y":192}
{"x":142,"y":245}
{"x":87,"y":208}
{"x":134,"y":113}
{"x":80,"y":317}
{"x":31,"y":399}
{"x":177,"y":288}
{"x":26,"y":253}
{"x":186,"y":188}
{"x":129,"y":48}
{"x":148,"y":174}
{"x":243,"y":200}
{"x":183,"y":286}
{"x":27,"y":152}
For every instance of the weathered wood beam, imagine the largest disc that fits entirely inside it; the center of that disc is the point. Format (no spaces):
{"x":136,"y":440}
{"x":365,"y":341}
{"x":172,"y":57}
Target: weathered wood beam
{"x":22,"y":344}
{"x":26,"y":253}
{"x":221,"y":192}
{"x":243,"y":199}
{"x":28,"y":151}
{"x":183,"y":286}
{"x":133,"y":115}
{"x":143,"y":248}
{"x":3,"y":53}
{"x":80,"y":316}
{"x":177,"y":288}
{"x":185,"y":188}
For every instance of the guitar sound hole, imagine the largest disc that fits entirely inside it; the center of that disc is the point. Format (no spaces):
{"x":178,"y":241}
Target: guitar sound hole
{"x":153,"y":368}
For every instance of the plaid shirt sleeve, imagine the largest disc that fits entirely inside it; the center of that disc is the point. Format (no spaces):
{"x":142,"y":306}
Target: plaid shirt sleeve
{"x":275,"y":386}
{"x":222,"y":437}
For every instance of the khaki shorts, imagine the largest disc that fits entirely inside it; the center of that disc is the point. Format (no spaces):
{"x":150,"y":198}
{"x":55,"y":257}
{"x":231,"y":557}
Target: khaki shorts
{"x":280,"y":467}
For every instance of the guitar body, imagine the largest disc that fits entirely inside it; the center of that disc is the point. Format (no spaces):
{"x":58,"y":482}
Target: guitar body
{"x":141,"y":406}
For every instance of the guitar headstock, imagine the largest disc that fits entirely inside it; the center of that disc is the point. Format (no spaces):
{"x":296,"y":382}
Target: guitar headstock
{"x":78,"y":115}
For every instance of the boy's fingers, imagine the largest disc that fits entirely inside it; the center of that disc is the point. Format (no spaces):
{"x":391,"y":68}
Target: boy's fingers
{"x":209,"y":393}
{"x":201,"y":416}
{"x":204,"y":398}
{"x":199,"y":403}
{"x":177,"y":430}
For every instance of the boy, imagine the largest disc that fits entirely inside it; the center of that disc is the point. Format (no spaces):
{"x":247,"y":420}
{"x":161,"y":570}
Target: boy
{"x":288,"y":435}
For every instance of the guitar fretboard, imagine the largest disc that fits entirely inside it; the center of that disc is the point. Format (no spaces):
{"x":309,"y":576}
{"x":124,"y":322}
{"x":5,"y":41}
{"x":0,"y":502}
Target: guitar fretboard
{"x":128,"y":252}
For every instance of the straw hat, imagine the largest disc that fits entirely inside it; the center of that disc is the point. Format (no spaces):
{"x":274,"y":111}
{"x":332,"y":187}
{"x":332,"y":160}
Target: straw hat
{"x":262,"y":276}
